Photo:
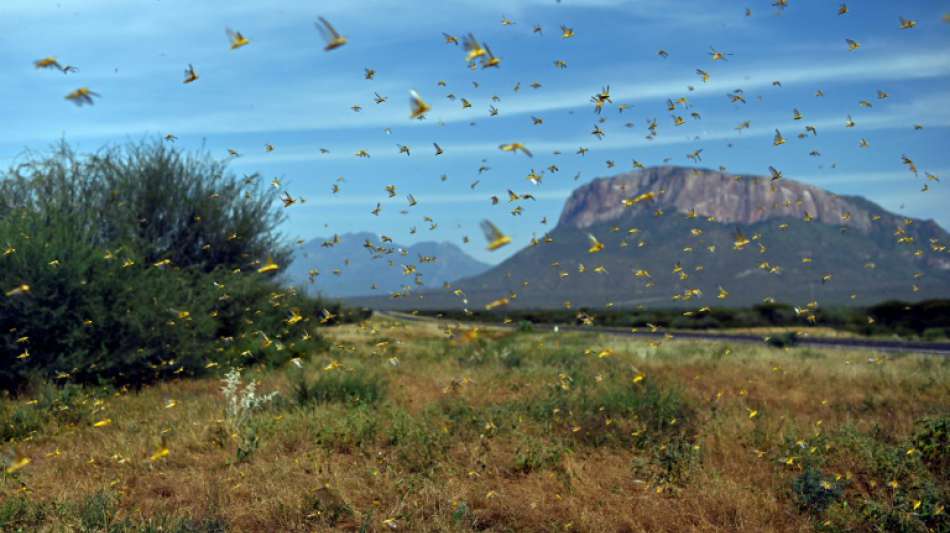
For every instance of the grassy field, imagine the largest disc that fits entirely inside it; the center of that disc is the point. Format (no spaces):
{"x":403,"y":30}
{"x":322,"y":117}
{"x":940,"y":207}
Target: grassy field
{"x":424,"y":427}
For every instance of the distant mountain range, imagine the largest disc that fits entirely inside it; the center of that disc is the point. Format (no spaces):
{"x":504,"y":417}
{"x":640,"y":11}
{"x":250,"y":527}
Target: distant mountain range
{"x":359,"y":264}
{"x":675,"y":236}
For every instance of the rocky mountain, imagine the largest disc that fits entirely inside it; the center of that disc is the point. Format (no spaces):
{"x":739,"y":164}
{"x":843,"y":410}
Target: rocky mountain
{"x":727,"y":198}
{"x":356,"y":264}
{"x":695,"y":237}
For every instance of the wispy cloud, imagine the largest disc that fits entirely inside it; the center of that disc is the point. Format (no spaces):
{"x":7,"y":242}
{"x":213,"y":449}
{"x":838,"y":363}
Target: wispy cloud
{"x":479,"y":197}
{"x":278,"y":109}
{"x":934,"y":110}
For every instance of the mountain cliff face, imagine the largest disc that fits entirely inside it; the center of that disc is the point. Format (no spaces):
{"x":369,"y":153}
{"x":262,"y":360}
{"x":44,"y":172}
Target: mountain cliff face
{"x":704,"y":238}
{"x":727,"y":198}
{"x":361,"y":264}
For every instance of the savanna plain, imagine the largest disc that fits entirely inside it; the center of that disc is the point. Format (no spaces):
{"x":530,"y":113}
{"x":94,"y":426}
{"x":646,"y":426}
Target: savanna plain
{"x":434,"y":426}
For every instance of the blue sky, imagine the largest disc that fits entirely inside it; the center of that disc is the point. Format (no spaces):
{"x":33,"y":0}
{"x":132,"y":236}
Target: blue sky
{"x":283,"y":89}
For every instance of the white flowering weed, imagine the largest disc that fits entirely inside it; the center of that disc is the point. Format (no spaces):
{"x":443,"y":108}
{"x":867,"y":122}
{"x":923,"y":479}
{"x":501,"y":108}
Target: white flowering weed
{"x":241,"y":402}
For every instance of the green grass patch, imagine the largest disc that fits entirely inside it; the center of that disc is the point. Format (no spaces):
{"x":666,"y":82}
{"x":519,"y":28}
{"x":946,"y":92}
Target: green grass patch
{"x":339,"y":386}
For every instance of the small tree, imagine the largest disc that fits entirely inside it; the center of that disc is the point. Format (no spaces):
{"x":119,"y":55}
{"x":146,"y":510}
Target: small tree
{"x":159,"y":202}
{"x":121,"y":266}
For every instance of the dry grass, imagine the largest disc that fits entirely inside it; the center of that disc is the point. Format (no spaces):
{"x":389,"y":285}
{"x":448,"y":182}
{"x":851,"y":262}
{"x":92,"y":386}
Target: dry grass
{"x":503,"y":432}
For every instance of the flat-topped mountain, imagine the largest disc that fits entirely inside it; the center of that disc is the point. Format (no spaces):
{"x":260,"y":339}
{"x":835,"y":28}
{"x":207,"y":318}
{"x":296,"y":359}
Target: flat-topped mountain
{"x":696,"y":237}
{"x":728,"y":198}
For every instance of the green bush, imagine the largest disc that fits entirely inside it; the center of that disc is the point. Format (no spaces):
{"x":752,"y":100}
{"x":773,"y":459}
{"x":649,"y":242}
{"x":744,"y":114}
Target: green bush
{"x":913,"y":503}
{"x":930,"y":319}
{"x":254,"y":319}
{"x":343,"y":386}
{"x":140,"y":263}
{"x":155,"y":201}
{"x":346,"y":428}
{"x":815,"y":491}
{"x":17,"y":422}
{"x":20,"y":513}
{"x":783,"y":340}
{"x":415,"y":443}
{"x":913,"y":318}
{"x":64,"y":404}
{"x":510,"y":359}
{"x":94,"y":513}
{"x":535,"y":455}
{"x":932,"y":440}
{"x":645,"y":415}
{"x":935,"y":334}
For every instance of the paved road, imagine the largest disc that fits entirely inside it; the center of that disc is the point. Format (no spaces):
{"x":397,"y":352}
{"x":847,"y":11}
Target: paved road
{"x":941,"y":349}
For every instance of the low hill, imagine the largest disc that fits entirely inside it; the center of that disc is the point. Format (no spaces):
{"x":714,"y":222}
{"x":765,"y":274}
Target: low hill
{"x":355,"y":264}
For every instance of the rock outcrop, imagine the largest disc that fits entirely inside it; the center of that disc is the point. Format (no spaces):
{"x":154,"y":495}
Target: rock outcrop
{"x":730,"y":199}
